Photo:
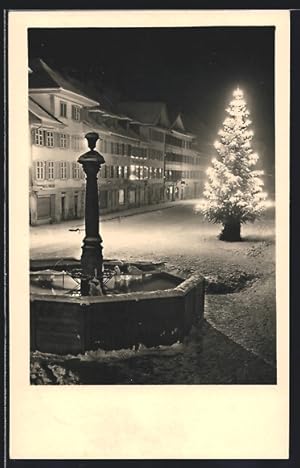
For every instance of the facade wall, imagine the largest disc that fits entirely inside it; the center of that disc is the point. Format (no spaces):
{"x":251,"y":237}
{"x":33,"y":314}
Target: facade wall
{"x":132,"y":175}
{"x":57,"y":180}
{"x":183,"y":169}
{"x":138,"y":171}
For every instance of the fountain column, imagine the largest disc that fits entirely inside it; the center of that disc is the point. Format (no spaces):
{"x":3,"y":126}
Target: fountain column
{"x":91,"y":258}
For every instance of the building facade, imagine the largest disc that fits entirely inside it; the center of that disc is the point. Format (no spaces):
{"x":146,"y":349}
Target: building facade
{"x":57,"y":132}
{"x":148,"y":159}
{"x":133,"y":174}
{"x":182,"y":163}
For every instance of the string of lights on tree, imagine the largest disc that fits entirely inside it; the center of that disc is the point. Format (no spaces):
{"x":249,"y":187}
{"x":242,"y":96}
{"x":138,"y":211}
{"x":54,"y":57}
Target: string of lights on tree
{"x":234,"y":191}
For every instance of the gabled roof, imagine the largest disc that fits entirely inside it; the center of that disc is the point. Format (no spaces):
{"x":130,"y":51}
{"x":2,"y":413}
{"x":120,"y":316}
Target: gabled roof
{"x":178,"y":123}
{"x":42,"y":115}
{"x":43,"y":76}
{"x":150,"y":113}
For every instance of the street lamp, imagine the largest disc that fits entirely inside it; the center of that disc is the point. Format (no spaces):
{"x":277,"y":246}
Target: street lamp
{"x":91,"y":258}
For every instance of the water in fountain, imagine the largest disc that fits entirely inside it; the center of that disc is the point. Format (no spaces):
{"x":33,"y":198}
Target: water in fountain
{"x":63,"y":282}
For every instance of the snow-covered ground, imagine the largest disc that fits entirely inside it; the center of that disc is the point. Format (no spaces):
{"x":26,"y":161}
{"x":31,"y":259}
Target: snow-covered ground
{"x":238,"y":341}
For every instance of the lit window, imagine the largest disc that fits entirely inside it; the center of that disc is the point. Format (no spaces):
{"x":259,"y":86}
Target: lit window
{"x":121,"y":197}
{"x":40,"y":170}
{"x":50,"y":174}
{"x":39,"y":137}
{"x":63,"y":169}
{"x":50,"y":139}
{"x":76,"y":113}
{"x":63,"y":109}
{"x":132,"y":175}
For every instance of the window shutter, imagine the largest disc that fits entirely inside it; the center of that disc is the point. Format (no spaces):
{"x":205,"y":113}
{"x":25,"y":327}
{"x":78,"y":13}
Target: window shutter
{"x":32,"y":136}
{"x":45,"y":137}
{"x":57,"y":169}
{"x":56,"y":139}
{"x":34,"y":170}
{"x":68,"y":170}
{"x":46,"y":169}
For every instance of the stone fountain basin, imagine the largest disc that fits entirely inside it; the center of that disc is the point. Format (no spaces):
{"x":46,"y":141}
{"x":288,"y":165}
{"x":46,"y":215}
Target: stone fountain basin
{"x":70,"y":325}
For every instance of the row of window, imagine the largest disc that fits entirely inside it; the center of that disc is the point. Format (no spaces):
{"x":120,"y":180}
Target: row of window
{"x":75,"y":111}
{"x":51,"y":170}
{"x":178,"y":175}
{"x":132,"y":172}
{"x":52,"y":139}
{"x":182,"y":158}
{"x":174,"y":141}
{"x":124,"y":149}
{"x":62,"y":140}
{"x":156,"y":135}
{"x":123,"y":196}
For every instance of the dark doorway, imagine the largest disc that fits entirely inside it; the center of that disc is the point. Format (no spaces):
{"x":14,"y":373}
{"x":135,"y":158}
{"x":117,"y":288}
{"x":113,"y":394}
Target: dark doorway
{"x":76,"y":205}
{"x":63,"y":206}
{"x":52,"y":207}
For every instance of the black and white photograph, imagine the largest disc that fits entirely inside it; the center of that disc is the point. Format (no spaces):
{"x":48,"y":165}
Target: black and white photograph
{"x":148,"y":171}
{"x":152,"y":205}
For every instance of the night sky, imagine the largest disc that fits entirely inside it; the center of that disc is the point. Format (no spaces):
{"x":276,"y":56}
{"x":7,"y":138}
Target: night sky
{"x":193,"y":70}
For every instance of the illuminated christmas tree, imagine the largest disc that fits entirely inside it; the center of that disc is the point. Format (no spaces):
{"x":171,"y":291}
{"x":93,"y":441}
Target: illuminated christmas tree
{"x":234,"y":191}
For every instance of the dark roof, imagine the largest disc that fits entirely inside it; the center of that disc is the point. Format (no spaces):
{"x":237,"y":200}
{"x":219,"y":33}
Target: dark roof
{"x":143,"y":111}
{"x":127,"y":133}
{"x":108,"y":126}
{"x":43,"y":76}
{"x":36,"y":109}
{"x":106,"y":113}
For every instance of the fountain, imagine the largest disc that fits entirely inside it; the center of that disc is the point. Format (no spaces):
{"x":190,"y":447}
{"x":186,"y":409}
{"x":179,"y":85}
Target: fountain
{"x":94,"y":303}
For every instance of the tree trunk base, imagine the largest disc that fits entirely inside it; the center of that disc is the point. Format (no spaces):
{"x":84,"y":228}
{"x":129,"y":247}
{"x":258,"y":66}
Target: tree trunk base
{"x":231,"y":232}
